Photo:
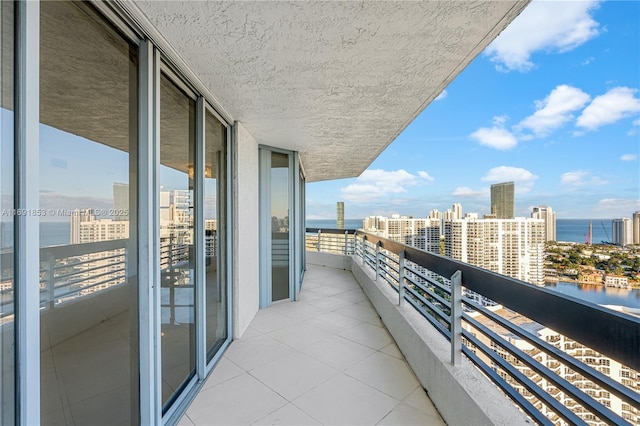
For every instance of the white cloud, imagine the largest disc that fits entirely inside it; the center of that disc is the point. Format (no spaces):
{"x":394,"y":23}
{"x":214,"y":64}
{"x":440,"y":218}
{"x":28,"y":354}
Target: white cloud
{"x":373,"y":184}
{"x":442,"y":95}
{"x":551,"y":26}
{"x":580,"y":178}
{"x":425,"y":176}
{"x":629,"y":157}
{"x":506,"y":173}
{"x":616,"y":207}
{"x":523,"y":178}
{"x":636,"y":122}
{"x":466,"y":192}
{"x":495,"y":137}
{"x":616,"y":104}
{"x":555,"y":110}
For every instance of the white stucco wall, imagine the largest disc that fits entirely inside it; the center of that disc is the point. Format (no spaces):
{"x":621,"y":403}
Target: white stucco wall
{"x":246,"y":292}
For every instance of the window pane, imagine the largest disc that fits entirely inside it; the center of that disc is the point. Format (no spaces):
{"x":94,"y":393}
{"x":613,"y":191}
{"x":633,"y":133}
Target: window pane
{"x":7,"y":335}
{"x":88,"y":278}
{"x":177,"y":144}
{"x":279,"y":226}
{"x":215,"y":235}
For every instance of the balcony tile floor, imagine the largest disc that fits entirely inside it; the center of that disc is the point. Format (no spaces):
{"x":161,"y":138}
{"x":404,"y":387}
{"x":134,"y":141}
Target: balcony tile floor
{"x":326,"y":359}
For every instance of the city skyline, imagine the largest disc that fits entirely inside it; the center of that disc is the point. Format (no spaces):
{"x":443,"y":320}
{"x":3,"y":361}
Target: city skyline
{"x":557,"y":112}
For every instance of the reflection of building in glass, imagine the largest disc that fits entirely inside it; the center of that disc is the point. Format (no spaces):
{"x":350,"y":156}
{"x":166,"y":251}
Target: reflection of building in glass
{"x":98,"y":268}
{"x":120,"y":201}
{"x":210,"y":230}
{"x":512,"y":247}
{"x":502,"y":200}
{"x":549,"y":217}
{"x":77,"y":218}
{"x":340,"y":215}
{"x":608,"y":366}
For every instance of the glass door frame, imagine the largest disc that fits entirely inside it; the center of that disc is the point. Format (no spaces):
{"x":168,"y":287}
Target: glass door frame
{"x":264,"y":197}
{"x":155,"y":56}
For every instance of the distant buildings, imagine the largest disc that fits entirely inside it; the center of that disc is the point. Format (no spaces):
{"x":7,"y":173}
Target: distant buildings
{"x":340,"y":215}
{"x":512,"y":247}
{"x":120,"y":201}
{"x":78,"y":217}
{"x":422,"y":233}
{"x":502,"y":200}
{"x":549,"y":217}
{"x":622,"y":231}
{"x":636,"y":227}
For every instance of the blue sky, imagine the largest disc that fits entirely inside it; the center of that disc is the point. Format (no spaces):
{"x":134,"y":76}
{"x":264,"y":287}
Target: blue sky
{"x":552,"y":104}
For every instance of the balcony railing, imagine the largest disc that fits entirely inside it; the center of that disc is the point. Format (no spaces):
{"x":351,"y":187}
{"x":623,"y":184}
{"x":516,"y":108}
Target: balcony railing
{"x":73,"y":271}
{"x":467,"y":305}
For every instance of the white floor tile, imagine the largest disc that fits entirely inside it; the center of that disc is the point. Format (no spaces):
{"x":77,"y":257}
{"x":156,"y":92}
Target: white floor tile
{"x":392,"y":350}
{"x":223,"y":371}
{"x":368,"y":335}
{"x":293,"y":374}
{"x":300,"y":335}
{"x":287,"y":415}
{"x":407,"y":416}
{"x":239,"y":401}
{"x":346,"y":401}
{"x":385,"y":373}
{"x":359,"y":311}
{"x":252,"y":353}
{"x":338,"y":352}
{"x":272,"y":320}
{"x":419,"y":399}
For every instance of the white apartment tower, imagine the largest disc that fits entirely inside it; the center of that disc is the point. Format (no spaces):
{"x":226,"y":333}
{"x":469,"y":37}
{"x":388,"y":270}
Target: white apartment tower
{"x":77,"y":218}
{"x":636,"y":227}
{"x":422,"y":233}
{"x":512,"y":247}
{"x":622,"y":231}
{"x":549,"y":216}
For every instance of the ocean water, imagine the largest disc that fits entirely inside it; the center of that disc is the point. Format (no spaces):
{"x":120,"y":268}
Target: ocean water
{"x":575,"y":230}
{"x":331,"y":223}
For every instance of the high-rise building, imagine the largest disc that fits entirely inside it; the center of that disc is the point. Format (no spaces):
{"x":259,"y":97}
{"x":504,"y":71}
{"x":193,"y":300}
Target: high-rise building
{"x":422,"y":233}
{"x":512,"y":247}
{"x":457,"y":210}
{"x":340,"y":215}
{"x":374,"y":224}
{"x":77,"y":218}
{"x":636,"y":227}
{"x":549,"y":216}
{"x":622,"y":231}
{"x":120,"y":201}
{"x":502,"y":200}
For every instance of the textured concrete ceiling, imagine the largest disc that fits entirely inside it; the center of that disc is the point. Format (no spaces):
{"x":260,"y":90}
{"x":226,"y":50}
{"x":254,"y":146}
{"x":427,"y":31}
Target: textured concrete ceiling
{"x":336,"y":81}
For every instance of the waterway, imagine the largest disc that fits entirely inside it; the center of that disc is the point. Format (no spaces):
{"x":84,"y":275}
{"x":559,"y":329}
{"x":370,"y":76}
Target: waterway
{"x":598,"y":294}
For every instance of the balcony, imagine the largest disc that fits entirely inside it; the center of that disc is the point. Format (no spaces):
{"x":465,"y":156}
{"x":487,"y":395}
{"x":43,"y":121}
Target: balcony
{"x":326,"y":359}
{"x":503,"y":331}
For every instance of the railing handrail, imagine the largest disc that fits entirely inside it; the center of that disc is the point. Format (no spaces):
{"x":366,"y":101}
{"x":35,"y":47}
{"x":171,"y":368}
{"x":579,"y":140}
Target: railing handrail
{"x":613,"y":334}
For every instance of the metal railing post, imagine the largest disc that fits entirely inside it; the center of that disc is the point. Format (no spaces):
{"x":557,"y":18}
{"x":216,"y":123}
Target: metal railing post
{"x":364,"y":249}
{"x":50,"y":279}
{"x":401,"y":279}
{"x":377,"y":259}
{"x":456,"y":318}
{"x":346,"y":240}
{"x":319,"y":237}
